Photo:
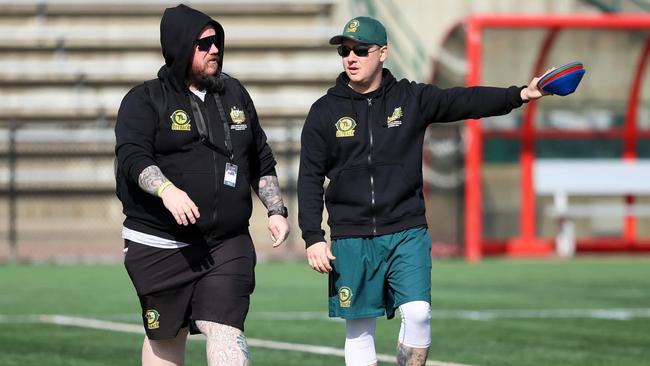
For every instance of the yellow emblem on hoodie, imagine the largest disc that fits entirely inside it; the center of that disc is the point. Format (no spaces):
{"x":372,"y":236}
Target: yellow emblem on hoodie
{"x":345,"y":127}
{"x":238,"y":118}
{"x":394,"y":120}
{"x":180,"y":120}
{"x":237,"y":115}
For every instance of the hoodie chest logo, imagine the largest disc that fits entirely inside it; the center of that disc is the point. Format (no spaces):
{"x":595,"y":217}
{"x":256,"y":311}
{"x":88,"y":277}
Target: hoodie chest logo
{"x":238,"y":118}
{"x":345,"y":127}
{"x":395,"y":119}
{"x":180,"y":121}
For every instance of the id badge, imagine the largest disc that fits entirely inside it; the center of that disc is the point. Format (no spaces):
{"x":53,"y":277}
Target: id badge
{"x":230,"y":178}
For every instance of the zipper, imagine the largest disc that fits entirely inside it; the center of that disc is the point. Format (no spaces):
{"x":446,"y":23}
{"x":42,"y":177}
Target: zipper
{"x":371,"y":170}
{"x":217,"y":188}
{"x":217,"y":174}
{"x":202,"y":110}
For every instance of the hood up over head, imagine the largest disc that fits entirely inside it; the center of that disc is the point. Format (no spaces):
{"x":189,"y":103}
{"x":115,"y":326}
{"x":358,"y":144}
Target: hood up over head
{"x":180,"y":27}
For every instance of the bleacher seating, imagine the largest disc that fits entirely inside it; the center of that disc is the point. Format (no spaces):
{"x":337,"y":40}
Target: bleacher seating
{"x":66,"y":64}
{"x":79,"y":58}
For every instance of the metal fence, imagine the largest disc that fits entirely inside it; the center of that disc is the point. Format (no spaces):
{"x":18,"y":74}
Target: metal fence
{"x":57,"y":194}
{"x":58,"y":203}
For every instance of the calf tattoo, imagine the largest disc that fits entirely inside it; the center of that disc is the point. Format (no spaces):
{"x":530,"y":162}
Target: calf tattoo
{"x":226,"y":345}
{"x":409,"y":356}
{"x":150,"y":179}
{"x":269,"y":193}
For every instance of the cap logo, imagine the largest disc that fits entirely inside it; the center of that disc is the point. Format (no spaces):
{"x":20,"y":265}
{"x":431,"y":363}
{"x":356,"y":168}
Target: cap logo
{"x":352,"y":26}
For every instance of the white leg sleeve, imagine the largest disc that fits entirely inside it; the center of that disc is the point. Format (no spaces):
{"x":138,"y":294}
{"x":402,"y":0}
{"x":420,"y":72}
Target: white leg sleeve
{"x":415,"y":331}
{"x":360,"y":342}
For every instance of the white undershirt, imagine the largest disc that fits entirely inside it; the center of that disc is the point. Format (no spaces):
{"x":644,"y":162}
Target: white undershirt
{"x":199,"y":93}
{"x":151,"y":240}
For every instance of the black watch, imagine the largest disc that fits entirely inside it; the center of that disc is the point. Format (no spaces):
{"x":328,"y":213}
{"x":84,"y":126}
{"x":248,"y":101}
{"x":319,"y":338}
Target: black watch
{"x":280,"y":211}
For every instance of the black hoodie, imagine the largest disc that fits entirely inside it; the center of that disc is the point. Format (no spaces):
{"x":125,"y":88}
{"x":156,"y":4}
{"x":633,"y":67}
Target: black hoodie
{"x":370,"y":147}
{"x":143,"y":139}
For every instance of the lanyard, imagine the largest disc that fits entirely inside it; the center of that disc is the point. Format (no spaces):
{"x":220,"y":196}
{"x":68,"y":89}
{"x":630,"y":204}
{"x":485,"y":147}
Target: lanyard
{"x":226,"y":126}
{"x":206,"y":137}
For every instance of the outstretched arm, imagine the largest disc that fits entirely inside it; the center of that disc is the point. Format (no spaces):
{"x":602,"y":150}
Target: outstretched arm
{"x":454,"y":104}
{"x":268,"y":190}
{"x":532,"y":92}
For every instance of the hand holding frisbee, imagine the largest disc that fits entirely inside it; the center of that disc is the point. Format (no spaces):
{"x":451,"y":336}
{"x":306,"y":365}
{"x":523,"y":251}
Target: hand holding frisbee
{"x":562,"y":81}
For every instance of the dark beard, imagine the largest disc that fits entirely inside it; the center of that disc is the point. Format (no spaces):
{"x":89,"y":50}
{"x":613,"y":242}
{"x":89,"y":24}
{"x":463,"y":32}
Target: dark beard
{"x":209,"y":83}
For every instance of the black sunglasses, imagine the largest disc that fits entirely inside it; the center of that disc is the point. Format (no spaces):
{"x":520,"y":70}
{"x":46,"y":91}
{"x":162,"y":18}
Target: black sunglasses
{"x":360,"y":50}
{"x":206,"y":43}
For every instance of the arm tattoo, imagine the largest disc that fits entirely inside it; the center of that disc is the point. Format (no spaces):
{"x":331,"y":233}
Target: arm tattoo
{"x":269,"y":192}
{"x":150,"y":179}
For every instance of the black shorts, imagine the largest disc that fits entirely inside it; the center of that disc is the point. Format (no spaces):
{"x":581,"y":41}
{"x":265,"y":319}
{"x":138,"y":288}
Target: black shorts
{"x":176,"y":287}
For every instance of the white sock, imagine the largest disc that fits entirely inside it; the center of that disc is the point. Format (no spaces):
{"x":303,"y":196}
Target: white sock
{"x":415,"y":331}
{"x":360,"y":342}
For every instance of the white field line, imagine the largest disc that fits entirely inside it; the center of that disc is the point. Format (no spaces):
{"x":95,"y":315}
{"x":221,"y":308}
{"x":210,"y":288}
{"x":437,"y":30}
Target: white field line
{"x":622,"y":314}
{"x":604,"y":314}
{"x":483,"y":315}
{"x":133,"y":328}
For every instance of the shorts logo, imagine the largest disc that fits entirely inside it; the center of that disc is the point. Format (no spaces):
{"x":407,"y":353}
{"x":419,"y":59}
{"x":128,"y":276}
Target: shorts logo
{"x":237,"y":117}
{"x":153,"y":319}
{"x":394,"y":120}
{"x":345,"y":297}
{"x":180,"y":120}
{"x":352,"y":26}
{"x":345,"y":127}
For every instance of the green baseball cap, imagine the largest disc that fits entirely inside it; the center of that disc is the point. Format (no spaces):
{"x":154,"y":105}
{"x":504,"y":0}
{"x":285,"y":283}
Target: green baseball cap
{"x":363,"y":30}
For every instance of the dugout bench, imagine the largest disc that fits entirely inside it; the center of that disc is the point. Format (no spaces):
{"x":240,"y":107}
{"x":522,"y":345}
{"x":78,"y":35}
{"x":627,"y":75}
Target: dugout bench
{"x":562,"y":179}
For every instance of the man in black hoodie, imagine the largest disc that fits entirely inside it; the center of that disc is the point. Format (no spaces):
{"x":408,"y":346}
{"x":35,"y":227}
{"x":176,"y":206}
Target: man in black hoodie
{"x":189,"y":148}
{"x":365,"y":135}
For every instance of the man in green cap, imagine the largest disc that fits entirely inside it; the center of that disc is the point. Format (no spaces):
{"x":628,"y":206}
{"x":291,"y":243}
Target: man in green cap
{"x":365,"y":135}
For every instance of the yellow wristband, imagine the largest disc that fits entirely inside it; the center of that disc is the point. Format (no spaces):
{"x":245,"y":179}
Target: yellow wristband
{"x":163,"y":186}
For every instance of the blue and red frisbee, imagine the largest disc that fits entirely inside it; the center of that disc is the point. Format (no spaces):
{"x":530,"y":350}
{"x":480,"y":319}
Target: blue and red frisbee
{"x":562,"y":81}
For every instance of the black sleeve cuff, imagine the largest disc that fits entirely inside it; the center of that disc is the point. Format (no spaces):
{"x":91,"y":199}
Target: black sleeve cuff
{"x":519,"y":95}
{"x":311,"y":239}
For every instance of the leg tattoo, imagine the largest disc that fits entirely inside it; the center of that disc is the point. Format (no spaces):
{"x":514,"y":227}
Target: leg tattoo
{"x":409,"y":356}
{"x":226,"y":345}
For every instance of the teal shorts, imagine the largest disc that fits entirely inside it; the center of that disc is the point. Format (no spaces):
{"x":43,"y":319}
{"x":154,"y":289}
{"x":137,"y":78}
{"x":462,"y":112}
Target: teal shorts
{"x":373,"y":276}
